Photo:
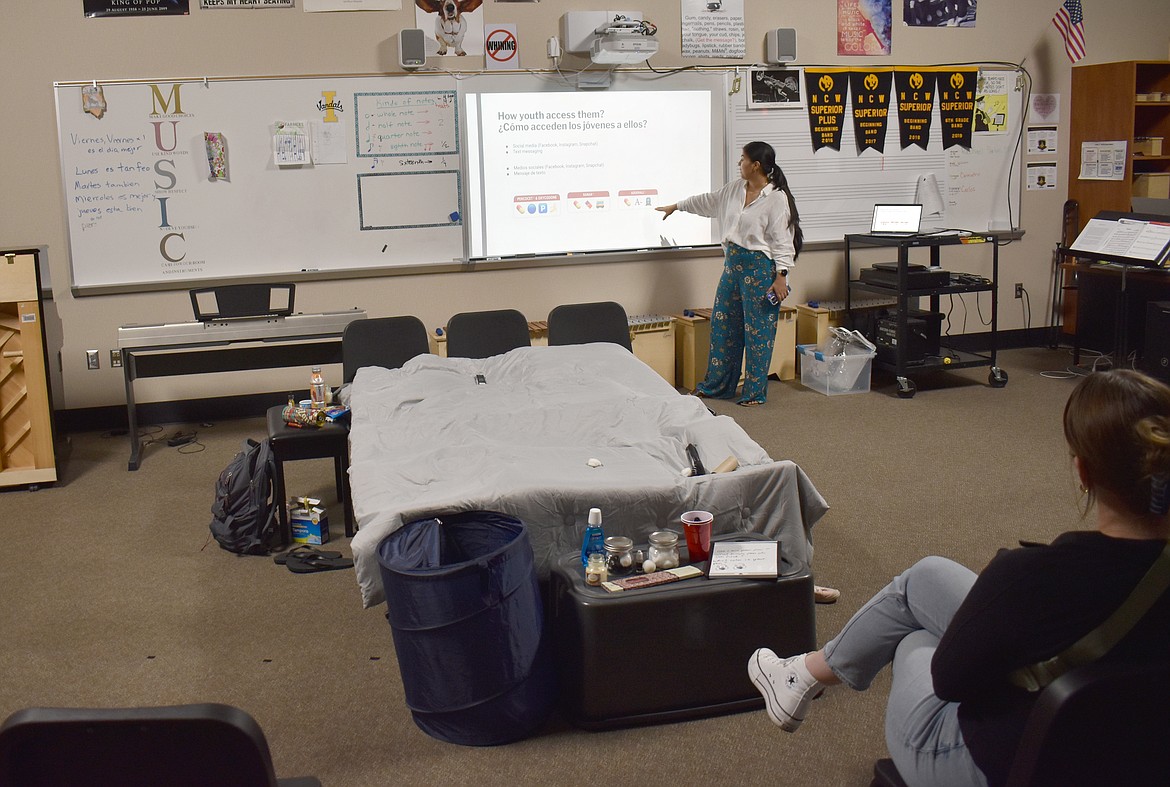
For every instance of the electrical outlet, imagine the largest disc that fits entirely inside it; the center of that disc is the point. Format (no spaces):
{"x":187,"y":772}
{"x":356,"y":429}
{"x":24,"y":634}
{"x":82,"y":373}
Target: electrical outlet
{"x":1019,"y":290}
{"x":92,"y":361}
{"x":115,"y":359}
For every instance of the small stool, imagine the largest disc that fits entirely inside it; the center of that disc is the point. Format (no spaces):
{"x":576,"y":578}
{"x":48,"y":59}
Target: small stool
{"x":290,"y":443}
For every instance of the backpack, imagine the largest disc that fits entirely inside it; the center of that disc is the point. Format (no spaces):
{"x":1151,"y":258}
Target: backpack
{"x":243,"y":515}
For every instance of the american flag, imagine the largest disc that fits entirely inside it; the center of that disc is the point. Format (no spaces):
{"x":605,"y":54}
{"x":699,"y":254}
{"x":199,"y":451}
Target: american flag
{"x":1069,"y":20}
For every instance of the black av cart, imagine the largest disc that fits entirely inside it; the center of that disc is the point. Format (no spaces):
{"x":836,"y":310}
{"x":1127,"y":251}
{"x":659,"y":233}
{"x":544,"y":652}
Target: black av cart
{"x":908,"y":341}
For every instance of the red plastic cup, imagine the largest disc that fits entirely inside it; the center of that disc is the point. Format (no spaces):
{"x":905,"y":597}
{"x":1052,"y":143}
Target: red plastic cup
{"x":697,"y":526}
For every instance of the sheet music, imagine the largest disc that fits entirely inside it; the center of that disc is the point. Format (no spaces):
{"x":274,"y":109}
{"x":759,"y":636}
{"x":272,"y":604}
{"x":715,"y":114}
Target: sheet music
{"x":1141,"y":240}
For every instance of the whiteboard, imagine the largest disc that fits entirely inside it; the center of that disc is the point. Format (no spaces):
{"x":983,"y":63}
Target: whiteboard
{"x":386,"y":183}
{"x":381,"y":188}
{"x":835,"y":190}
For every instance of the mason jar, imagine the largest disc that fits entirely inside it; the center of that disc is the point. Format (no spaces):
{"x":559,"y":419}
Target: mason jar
{"x":663,"y":549}
{"x":619,"y":555}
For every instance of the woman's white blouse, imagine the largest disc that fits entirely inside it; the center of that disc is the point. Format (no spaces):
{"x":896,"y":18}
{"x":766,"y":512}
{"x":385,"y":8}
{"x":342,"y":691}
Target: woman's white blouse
{"x":761,"y":226}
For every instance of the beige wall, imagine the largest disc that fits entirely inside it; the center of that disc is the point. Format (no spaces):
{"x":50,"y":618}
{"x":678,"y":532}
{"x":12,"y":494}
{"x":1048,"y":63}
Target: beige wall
{"x":42,"y":42}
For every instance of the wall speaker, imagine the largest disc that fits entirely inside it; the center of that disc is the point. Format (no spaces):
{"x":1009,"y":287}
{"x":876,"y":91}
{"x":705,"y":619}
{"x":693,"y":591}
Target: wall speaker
{"x":780,"y":45}
{"x":412,"y":48}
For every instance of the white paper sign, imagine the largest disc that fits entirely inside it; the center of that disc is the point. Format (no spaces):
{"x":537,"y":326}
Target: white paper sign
{"x":217,"y":4}
{"x":500,"y":47}
{"x":1041,"y":176}
{"x":1103,"y":160}
{"x":1042,"y":140}
{"x":713,"y":28}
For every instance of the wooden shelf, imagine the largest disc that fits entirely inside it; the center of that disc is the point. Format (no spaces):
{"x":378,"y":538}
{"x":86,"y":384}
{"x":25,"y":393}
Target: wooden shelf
{"x":1105,"y":107}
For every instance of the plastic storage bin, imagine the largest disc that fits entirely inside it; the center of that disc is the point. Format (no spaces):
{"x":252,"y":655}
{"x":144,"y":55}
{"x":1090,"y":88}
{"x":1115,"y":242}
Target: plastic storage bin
{"x":840,"y":366}
{"x":465,"y":608}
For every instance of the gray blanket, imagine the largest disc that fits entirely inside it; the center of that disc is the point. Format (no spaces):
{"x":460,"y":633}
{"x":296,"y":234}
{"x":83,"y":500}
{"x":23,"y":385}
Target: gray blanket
{"x":428,"y":438}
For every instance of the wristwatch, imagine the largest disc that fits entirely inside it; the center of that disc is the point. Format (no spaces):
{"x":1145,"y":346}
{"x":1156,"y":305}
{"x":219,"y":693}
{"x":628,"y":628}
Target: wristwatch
{"x":782,"y":272}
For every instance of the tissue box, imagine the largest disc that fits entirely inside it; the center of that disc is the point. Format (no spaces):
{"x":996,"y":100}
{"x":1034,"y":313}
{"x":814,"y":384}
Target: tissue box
{"x":310,"y":523}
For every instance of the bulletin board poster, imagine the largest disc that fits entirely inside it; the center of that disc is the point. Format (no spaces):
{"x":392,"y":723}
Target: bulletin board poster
{"x":863,"y":27}
{"x":94,"y":8}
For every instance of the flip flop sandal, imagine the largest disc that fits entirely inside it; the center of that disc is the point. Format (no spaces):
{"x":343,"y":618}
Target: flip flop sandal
{"x":311,"y":564}
{"x":749,"y":403}
{"x":304,"y":549}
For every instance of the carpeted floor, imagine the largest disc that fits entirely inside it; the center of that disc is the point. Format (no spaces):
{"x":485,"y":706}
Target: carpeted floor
{"x":113,"y":596}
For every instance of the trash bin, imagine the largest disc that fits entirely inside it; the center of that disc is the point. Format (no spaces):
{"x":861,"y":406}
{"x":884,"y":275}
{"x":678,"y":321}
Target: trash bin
{"x":464,"y":605}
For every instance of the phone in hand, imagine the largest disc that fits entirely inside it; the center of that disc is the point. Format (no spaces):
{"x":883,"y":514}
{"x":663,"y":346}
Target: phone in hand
{"x":771,"y":297}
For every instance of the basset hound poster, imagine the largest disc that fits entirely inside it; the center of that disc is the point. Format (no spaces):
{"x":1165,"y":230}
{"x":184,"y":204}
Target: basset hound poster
{"x":457,"y":25}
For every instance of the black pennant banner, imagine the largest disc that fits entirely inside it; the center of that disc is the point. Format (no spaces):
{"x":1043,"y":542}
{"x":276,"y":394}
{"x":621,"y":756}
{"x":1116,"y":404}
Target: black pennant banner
{"x":826,"y":90}
{"x":871,"y":107}
{"x":914,"y":94}
{"x":956,"y":106}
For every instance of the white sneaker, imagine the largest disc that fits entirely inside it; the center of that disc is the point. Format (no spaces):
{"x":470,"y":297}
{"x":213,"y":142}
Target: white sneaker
{"x":786,"y":685}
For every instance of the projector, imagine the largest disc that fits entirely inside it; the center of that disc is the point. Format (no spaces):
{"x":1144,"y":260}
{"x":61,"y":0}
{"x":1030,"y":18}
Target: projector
{"x":621,"y":47}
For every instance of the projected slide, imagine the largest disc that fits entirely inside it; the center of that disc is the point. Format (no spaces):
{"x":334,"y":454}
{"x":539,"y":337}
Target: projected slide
{"x":555,"y":173}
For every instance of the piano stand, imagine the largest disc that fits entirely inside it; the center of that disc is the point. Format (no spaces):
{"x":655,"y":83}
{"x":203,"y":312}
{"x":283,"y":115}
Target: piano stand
{"x":229,"y":345}
{"x":195,"y":358}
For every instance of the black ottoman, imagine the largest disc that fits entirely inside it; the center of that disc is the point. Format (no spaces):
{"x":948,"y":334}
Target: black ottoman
{"x":671,"y":652}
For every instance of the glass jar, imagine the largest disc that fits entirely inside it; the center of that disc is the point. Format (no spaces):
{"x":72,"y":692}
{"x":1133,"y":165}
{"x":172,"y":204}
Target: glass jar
{"x":619,"y":555}
{"x":595,"y":571}
{"x":663,"y":549}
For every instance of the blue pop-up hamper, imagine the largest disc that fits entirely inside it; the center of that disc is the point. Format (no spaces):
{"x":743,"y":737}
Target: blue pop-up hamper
{"x":464,"y":606}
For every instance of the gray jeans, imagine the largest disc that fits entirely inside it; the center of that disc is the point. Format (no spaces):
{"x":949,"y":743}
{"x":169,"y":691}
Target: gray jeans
{"x":901,"y":625}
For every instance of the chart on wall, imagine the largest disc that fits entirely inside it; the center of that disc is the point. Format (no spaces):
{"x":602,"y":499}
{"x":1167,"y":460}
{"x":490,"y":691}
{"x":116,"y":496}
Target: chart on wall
{"x":170,"y":182}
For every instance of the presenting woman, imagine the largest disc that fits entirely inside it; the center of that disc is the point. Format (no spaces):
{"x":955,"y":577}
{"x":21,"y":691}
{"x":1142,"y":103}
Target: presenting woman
{"x":962,"y":646}
{"x":761,"y":238}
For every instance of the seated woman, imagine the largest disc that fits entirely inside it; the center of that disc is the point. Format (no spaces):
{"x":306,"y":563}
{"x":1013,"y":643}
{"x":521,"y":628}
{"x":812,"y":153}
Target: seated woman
{"x":954,"y":715}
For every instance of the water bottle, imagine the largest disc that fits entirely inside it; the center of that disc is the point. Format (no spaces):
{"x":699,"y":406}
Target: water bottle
{"x":594,"y":540}
{"x":317,"y":389}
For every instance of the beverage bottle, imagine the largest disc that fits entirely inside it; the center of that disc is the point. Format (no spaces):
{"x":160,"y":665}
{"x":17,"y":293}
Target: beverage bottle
{"x":594,"y":539}
{"x":317,"y":389}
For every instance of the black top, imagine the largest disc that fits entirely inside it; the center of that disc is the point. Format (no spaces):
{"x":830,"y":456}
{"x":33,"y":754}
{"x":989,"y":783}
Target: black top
{"x":1029,"y":605}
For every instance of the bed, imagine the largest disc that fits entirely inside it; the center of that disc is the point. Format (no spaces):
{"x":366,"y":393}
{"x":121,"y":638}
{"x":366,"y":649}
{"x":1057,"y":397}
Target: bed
{"x":549,"y":433}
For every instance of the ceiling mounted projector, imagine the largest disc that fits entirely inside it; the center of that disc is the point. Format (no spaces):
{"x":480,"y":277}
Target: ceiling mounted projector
{"x":610,"y":37}
{"x":622,"y":48}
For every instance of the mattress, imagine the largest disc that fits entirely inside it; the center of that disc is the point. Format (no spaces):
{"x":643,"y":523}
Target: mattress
{"x":545,"y":434}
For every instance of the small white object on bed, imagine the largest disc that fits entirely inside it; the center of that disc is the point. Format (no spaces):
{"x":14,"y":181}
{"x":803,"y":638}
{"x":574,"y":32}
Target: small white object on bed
{"x":553,"y":432}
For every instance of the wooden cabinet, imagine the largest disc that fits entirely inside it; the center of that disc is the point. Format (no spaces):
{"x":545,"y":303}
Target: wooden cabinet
{"x":26,"y":432}
{"x":1106,"y":107}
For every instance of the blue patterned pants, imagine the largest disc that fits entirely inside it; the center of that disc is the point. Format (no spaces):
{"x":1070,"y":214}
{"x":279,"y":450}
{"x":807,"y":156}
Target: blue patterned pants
{"x":741,"y":319}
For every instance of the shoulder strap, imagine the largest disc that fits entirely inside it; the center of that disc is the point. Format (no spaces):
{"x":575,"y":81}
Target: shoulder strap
{"x":1101,"y":640}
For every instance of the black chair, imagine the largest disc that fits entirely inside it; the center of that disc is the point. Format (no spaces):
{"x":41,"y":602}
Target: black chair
{"x":484,"y":334}
{"x":1098,"y":724}
{"x":179,"y":746}
{"x":581,"y":323}
{"x":385,"y":341}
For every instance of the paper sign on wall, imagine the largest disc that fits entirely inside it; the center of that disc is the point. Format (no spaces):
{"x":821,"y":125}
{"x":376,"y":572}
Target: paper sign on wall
{"x":500,"y":47}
